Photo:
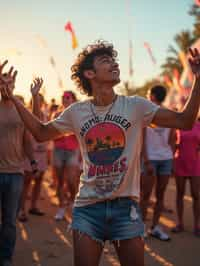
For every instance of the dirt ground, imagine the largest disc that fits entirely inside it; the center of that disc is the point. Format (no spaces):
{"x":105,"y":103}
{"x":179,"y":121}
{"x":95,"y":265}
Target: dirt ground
{"x":44,"y":242}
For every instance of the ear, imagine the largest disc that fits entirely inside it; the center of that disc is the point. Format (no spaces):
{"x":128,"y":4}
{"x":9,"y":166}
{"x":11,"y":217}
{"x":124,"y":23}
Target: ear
{"x":89,"y":74}
{"x":152,"y":97}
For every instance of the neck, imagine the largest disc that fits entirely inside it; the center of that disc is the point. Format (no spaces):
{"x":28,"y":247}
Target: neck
{"x":103,"y":96}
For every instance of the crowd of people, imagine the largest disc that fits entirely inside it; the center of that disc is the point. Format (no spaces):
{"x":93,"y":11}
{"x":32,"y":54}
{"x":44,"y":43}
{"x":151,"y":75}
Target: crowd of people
{"x":107,"y":154}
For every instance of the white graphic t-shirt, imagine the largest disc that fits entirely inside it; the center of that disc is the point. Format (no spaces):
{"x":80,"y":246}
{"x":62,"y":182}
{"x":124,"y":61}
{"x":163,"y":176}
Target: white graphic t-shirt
{"x":110,"y":139}
{"x":157,"y":143}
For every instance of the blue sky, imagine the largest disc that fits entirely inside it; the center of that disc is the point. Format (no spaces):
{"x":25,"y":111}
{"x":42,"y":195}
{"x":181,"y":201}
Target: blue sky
{"x":117,"y":21}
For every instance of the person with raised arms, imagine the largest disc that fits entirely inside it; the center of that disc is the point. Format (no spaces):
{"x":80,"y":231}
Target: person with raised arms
{"x":106,"y":206}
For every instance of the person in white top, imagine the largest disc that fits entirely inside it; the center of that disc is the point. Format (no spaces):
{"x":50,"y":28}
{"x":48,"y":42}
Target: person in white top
{"x":109,"y":129}
{"x":159,"y":143}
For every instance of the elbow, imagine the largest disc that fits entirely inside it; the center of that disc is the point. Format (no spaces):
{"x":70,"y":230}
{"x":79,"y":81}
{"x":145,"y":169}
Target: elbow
{"x":40,"y":134}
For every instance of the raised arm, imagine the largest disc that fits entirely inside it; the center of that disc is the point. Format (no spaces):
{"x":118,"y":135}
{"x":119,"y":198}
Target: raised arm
{"x":186,"y":118}
{"x":41,"y":132}
{"x":35,"y":88}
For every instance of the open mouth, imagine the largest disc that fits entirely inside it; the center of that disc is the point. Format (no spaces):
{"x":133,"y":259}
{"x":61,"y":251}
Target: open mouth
{"x":115,"y":72}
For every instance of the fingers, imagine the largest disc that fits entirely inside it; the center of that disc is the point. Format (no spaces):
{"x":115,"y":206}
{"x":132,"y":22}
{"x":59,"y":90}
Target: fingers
{"x":38,"y":82}
{"x":190,"y":61}
{"x":10,"y":71}
{"x":191,"y":52}
{"x":14,"y":75}
{"x":196,"y":52}
{"x":3,"y":65}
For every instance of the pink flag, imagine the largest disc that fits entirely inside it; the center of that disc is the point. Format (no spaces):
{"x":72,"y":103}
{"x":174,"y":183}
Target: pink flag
{"x":68,"y":27}
{"x":167,"y":80}
{"x":149,"y":50}
{"x":197,"y":2}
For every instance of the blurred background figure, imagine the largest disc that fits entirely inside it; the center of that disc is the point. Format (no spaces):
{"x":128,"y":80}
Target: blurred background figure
{"x":158,"y":149}
{"x":40,"y":160}
{"x":187,"y":167}
{"x":66,"y":162}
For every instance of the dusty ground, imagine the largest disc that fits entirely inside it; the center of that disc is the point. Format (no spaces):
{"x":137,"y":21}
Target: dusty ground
{"x":45,"y":242}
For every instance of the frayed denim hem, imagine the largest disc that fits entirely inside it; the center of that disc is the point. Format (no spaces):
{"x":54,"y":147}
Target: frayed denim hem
{"x":88,"y":234}
{"x":117,"y":241}
{"x":113,"y":241}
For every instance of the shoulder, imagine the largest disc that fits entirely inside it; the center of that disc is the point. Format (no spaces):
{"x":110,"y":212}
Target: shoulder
{"x":127,"y":99}
{"x":78,"y":106}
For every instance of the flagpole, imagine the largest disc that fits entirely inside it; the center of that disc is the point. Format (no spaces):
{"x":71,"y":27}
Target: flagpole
{"x":51,"y":60}
{"x":130,"y":44}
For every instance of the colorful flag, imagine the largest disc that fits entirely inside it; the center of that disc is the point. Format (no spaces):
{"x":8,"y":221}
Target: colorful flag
{"x":130,"y":58}
{"x":176,"y":74}
{"x":168,"y":81}
{"x":176,"y":82}
{"x":68,"y":27}
{"x":183,"y":59}
{"x":149,"y":50}
{"x":197,"y":2}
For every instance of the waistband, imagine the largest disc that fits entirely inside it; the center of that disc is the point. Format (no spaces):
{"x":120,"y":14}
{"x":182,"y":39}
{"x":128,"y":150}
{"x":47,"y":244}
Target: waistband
{"x":125,"y":197}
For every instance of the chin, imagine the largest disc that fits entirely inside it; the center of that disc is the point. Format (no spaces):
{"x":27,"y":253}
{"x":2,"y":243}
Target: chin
{"x":116,"y":81}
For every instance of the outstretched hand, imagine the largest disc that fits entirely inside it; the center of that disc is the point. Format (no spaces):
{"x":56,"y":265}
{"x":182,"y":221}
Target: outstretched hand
{"x":7,"y":80}
{"x":194,"y":61}
{"x":36,"y":86}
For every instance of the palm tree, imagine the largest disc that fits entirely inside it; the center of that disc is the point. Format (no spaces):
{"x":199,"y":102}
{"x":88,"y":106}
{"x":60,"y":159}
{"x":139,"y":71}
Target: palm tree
{"x":89,"y":142}
{"x":183,"y":41}
{"x":195,"y":12}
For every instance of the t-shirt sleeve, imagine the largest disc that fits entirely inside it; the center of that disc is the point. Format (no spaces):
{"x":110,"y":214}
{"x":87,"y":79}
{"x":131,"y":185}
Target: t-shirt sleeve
{"x":63,"y":122}
{"x":146,"y":110}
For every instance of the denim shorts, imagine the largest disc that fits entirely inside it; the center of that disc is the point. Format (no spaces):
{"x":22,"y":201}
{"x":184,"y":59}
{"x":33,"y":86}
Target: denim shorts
{"x":112,"y":220}
{"x":161,"y":167}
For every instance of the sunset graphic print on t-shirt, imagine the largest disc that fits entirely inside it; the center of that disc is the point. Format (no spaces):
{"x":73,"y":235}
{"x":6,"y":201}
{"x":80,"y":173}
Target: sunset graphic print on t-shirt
{"x":105,"y":144}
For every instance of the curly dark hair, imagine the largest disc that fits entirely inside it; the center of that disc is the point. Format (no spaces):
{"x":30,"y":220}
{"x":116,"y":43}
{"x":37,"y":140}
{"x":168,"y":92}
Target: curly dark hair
{"x":85,"y":61}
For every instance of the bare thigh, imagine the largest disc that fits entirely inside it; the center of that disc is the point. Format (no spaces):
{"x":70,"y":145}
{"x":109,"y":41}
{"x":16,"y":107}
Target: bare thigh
{"x":161,"y":186}
{"x":87,"y":252}
{"x":131,"y":252}
{"x":195,"y":186}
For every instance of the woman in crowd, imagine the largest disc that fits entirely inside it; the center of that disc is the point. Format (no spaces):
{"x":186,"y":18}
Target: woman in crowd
{"x":66,"y":162}
{"x":187,"y":167}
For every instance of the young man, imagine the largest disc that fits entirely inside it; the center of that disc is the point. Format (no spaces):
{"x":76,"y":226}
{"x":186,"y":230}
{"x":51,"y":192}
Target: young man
{"x":157,"y":164}
{"x":109,"y":129}
{"x":14,"y":144}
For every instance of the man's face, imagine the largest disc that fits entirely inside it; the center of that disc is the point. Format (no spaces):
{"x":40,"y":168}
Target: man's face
{"x":67,"y":99}
{"x":106,"y":70}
